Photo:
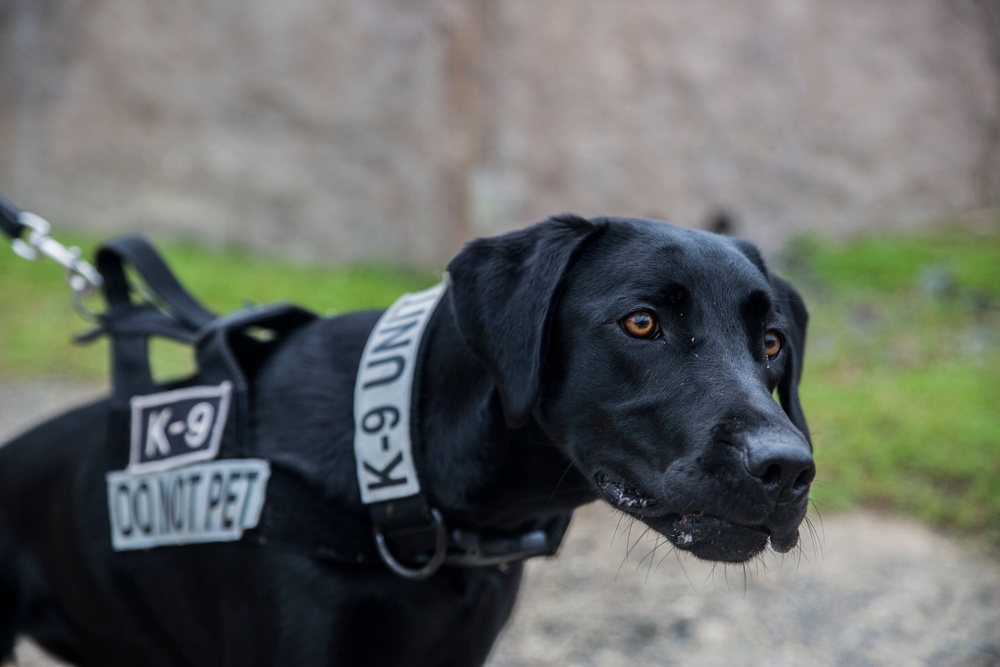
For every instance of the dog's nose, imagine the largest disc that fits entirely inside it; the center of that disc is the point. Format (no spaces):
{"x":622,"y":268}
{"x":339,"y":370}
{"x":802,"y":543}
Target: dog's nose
{"x":782,"y":463}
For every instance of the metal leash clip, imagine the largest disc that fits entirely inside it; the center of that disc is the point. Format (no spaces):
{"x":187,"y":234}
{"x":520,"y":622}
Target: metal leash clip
{"x":83,"y":278}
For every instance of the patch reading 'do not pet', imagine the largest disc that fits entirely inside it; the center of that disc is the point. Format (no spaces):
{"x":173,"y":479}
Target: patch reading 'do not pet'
{"x":205,"y":502}
{"x":178,"y":427}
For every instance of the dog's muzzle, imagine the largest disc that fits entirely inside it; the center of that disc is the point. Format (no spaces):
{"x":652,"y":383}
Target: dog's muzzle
{"x":704,"y":535}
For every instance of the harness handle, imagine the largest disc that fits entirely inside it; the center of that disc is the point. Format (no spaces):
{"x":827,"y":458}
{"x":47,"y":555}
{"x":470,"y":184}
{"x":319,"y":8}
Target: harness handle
{"x":137,"y":252}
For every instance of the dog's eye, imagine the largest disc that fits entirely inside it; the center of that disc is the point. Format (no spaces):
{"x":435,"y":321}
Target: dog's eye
{"x":640,"y":324}
{"x":772,"y":344}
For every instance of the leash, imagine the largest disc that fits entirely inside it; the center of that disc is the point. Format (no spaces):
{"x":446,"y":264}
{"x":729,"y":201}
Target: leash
{"x":30,"y":239}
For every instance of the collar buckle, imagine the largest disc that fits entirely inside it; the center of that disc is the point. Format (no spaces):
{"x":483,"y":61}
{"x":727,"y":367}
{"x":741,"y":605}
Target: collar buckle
{"x":435,"y":562}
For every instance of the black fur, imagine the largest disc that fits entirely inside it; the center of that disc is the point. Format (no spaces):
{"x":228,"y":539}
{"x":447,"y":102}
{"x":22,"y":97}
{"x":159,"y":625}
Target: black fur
{"x":533,"y":400}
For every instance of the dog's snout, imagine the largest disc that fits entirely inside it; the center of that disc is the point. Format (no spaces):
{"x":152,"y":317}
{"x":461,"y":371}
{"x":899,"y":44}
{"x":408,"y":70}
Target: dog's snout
{"x":782,"y":464}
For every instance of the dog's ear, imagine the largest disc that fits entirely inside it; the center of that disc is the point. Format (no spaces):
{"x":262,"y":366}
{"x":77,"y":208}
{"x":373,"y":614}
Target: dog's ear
{"x":790,"y":303}
{"x":502,"y":292}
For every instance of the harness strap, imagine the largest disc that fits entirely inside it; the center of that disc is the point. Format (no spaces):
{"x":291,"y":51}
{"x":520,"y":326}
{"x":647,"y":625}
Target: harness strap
{"x":298,"y":516}
{"x":403,"y":522}
{"x":143,"y":320}
{"x":398,"y":527}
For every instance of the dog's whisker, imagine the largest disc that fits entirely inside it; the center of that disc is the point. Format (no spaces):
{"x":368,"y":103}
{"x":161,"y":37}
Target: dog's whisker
{"x":819,"y":536}
{"x":660,"y":541}
{"x":711,"y":574}
{"x":680,"y":562}
{"x":801,"y":555}
{"x":745,"y":575}
{"x":649,"y":565}
{"x":629,"y":544}
{"x":649,"y":553}
{"x":671,"y":550}
{"x":634,"y":544}
{"x":621,"y":517}
{"x":559,"y":482}
{"x":628,"y":537}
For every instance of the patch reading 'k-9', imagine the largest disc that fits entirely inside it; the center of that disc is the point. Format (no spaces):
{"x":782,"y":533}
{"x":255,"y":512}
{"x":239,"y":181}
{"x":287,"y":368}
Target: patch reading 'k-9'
{"x":205,"y":502}
{"x":177,"y":427}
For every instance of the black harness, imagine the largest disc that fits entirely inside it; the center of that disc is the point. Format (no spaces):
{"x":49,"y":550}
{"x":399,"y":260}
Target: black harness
{"x":206,"y":416}
{"x":179,"y":452}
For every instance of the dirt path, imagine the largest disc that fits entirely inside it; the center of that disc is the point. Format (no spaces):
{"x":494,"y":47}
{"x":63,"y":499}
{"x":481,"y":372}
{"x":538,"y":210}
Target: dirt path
{"x":869,"y":590}
{"x":865,"y":589}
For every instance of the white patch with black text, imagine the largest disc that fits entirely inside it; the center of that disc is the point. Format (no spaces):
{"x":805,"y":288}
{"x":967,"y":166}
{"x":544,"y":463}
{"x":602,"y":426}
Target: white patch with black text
{"x":205,"y":502}
{"x":178,"y":427}
{"x":382,"y":396}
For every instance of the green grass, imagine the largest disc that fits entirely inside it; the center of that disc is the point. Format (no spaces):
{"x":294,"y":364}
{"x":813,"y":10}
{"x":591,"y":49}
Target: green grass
{"x":902,"y":380}
{"x":38,"y":321}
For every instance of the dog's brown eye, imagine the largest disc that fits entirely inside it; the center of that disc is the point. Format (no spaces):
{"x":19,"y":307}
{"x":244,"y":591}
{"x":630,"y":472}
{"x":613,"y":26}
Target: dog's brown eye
{"x":772,"y":344}
{"x":640,"y":324}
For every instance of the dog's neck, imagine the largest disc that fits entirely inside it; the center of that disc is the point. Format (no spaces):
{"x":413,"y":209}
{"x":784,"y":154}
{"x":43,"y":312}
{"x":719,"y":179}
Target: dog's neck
{"x":474,"y":467}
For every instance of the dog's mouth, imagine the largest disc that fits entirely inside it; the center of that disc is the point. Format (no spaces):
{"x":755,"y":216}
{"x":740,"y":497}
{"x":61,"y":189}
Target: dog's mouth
{"x":706,"y":536}
{"x":626,"y":497}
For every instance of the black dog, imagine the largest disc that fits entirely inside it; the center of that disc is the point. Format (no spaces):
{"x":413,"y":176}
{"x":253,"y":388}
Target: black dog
{"x":620,"y":359}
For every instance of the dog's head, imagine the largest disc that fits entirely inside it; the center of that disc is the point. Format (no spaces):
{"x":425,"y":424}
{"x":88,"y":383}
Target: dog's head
{"x":651,"y":354}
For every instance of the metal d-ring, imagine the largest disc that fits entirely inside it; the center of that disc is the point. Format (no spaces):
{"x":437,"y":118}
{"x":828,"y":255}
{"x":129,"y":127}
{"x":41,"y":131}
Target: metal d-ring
{"x":416,"y":573}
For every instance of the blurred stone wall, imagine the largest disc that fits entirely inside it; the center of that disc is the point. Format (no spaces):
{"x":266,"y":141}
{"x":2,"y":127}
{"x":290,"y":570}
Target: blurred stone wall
{"x":388,"y":129}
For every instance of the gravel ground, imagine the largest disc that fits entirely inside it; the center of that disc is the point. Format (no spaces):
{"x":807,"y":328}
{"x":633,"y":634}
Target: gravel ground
{"x":864,"y":589}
